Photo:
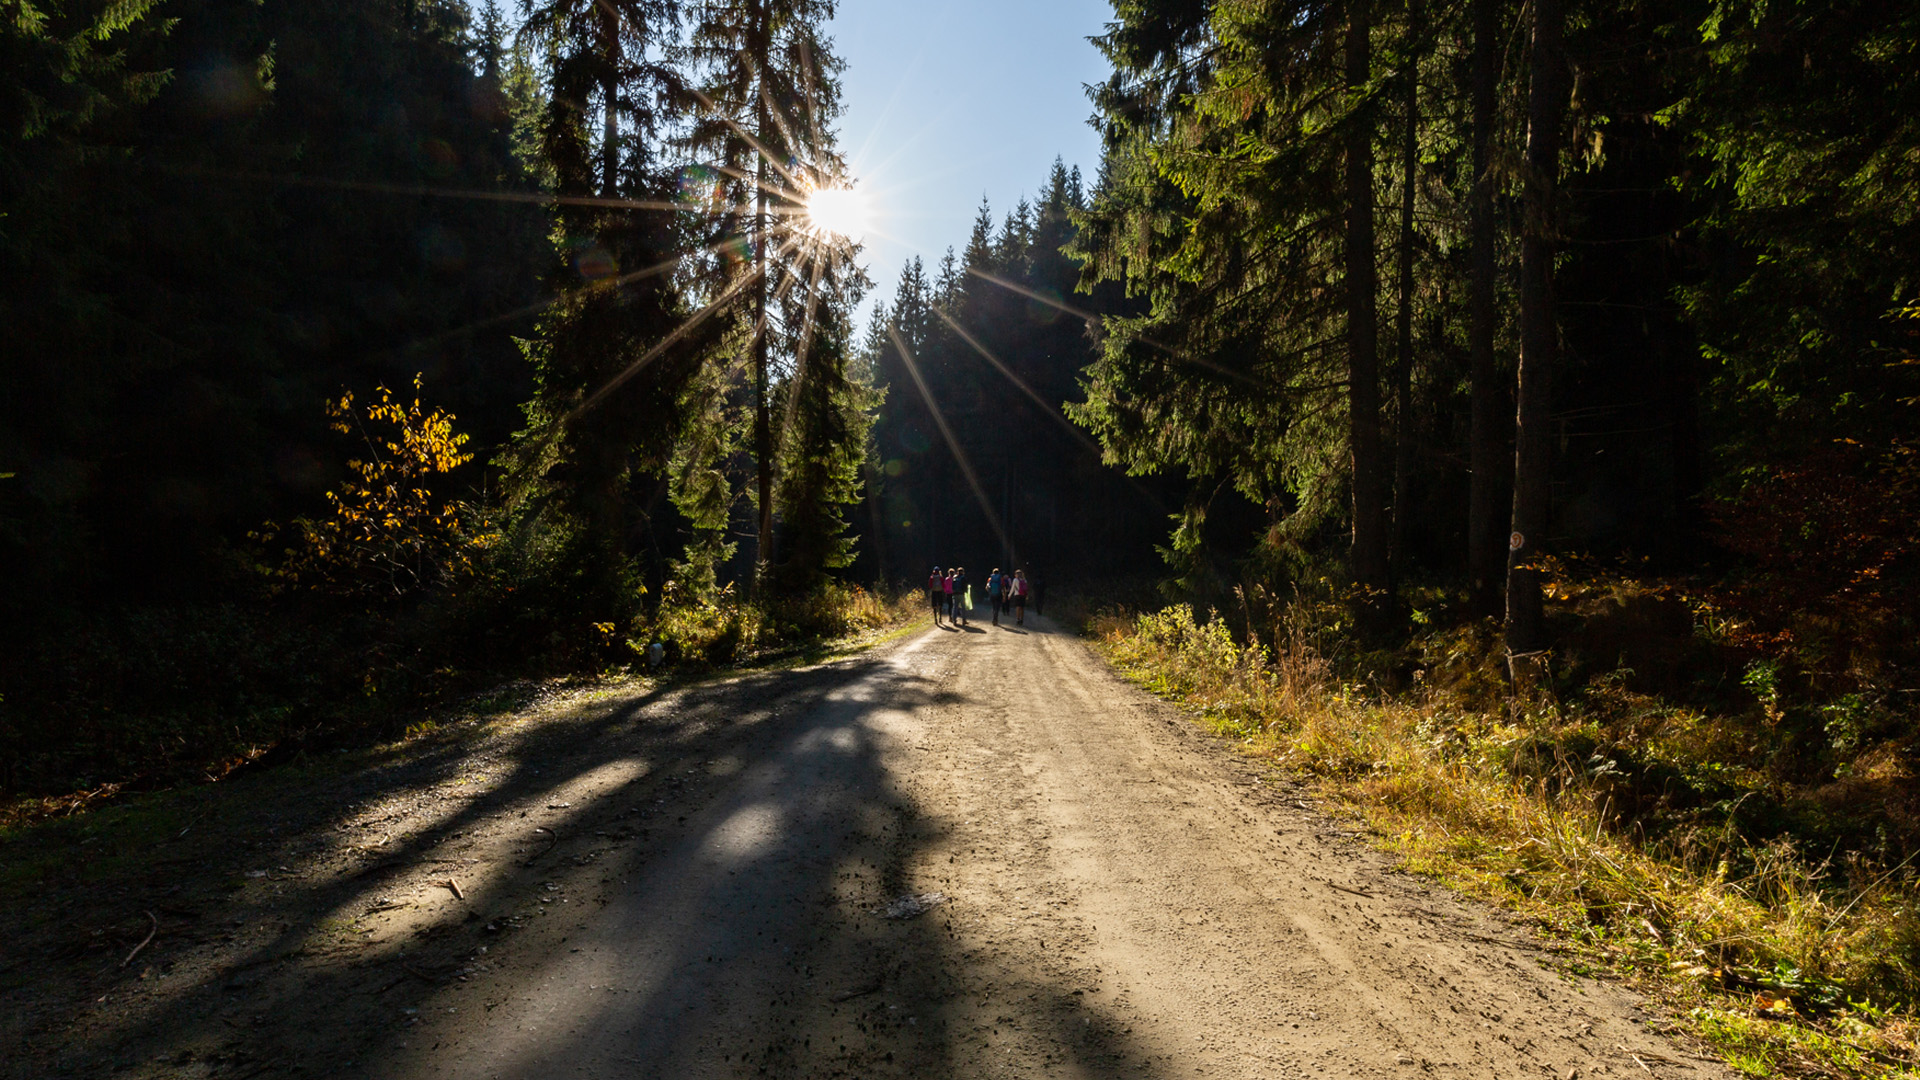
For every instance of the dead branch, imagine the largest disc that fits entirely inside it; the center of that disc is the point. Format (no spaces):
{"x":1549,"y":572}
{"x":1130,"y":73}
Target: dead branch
{"x":144,"y":941}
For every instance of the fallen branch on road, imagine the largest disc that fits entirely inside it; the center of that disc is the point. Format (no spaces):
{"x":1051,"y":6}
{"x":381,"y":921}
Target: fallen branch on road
{"x":144,"y":941}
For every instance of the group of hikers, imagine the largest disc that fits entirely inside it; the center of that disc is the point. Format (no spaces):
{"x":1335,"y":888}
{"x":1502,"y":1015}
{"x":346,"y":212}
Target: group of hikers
{"x":952,"y":596}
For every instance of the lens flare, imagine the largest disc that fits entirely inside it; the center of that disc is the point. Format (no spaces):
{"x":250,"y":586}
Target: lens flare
{"x":837,"y":210}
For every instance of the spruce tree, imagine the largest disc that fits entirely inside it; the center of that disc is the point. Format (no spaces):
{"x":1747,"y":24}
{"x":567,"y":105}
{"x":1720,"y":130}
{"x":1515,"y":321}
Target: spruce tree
{"x":769,"y":91}
{"x":596,"y":429}
{"x":824,"y":445}
{"x":1249,"y":373}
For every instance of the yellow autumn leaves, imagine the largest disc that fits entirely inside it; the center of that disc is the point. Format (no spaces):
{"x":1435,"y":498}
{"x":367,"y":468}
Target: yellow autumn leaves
{"x":387,"y":532}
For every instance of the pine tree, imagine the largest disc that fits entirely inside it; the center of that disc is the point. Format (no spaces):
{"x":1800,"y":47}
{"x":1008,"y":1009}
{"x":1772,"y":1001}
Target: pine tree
{"x":825,"y":444}
{"x":699,"y":485}
{"x":67,"y":86}
{"x":596,"y":429}
{"x":1250,"y":372}
{"x":946,"y":283}
{"x":975,"y":261}
{"x":603,"y":54}
{"x":491,"y":42}
{"x":770,"y":91}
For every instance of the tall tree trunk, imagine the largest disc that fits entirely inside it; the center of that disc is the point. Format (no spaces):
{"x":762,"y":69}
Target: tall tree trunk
{"x":1532,"y":490}
{"x":1403,"y":317}
{"x":762,"y":422}
{"x":1485,"y":459}
{"x":610,"y":96}
{"x":1369,"y":544}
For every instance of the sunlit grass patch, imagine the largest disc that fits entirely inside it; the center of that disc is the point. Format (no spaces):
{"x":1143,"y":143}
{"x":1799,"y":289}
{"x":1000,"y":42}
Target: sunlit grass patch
{"x":1786,"y":960}
{"x":1763,"y":1045}
{"x":726,"y":628}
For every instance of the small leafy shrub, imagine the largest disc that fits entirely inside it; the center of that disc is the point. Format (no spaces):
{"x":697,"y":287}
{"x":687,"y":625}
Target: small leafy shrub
{"x":1830,"y":572}
{"x":707,"y":631}
{"x":387,"y":533}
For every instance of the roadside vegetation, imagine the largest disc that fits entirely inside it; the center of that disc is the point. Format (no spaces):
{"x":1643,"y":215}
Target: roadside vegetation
{"x":353,"y":626}
{"x":1694,"y":799}
{"x":158,"y":699}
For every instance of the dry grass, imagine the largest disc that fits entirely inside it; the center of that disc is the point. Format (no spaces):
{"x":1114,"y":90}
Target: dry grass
{"x":1787,"y":964}
{"x":729,"y":628}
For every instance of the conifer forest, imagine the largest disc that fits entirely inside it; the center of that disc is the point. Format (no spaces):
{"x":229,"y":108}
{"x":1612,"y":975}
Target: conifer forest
{"x":1554,"y":363}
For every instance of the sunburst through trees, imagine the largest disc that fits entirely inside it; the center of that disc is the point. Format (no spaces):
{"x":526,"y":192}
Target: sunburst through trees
{"x":738,"y":356}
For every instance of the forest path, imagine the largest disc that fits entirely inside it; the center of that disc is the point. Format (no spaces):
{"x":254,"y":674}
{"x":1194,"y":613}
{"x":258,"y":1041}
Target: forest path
{"x":698,"y":884}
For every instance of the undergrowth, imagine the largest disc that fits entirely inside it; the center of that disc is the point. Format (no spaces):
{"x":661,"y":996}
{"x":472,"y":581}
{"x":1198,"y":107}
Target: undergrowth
{"x":344,"y":627}
{"x":1665,"y":836}
{"x":99,"y":708}
{"x":726,"y":627}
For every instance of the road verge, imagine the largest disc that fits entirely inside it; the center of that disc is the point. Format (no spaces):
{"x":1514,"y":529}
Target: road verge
{"x":1752,"y":947}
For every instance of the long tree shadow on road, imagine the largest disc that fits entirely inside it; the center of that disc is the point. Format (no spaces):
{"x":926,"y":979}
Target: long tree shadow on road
{"x":695,"y":880}
{"x":759,"y":941}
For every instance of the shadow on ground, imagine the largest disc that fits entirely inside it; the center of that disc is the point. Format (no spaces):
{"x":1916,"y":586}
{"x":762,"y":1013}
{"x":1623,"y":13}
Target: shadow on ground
{"x":691,"y":881}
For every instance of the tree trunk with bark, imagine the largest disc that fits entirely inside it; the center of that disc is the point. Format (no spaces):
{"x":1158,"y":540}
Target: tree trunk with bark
{"x":1486,"y":457}
{"x":762,"y":421}
{"x":1533,"y":447}
{"x":610,"y":101}
{"x":1368,"y":552}
{"x":1403,"y":316}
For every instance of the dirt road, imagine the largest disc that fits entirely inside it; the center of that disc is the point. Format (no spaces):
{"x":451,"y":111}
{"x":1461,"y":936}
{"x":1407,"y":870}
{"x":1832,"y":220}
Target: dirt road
{"x":973,"y":854}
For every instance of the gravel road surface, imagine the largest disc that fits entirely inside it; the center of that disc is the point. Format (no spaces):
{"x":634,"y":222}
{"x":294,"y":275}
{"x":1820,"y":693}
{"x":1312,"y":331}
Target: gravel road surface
{"x":977,"y":853}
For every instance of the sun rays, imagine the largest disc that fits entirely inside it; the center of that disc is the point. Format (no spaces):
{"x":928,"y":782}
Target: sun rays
{"x":837,"y":211}
{"x":784,"y":228}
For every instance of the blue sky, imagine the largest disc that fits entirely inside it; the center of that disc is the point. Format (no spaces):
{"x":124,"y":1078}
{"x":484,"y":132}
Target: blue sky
{"x":945,"y":102}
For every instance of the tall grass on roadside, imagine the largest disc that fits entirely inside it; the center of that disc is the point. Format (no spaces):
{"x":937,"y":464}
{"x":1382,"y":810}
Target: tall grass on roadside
{"x":726,"y":627}
{"x":1788,"y":962}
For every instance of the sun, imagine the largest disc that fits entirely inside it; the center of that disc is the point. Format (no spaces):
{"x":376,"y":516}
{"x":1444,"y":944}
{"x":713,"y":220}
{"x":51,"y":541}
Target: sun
{"x":840,"y":211}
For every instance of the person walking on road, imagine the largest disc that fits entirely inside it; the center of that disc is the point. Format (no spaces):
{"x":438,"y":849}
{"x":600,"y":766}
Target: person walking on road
{"x":935,"y":594}
{"x":1020,"y":597}
{"x":946,"y":593}
{"x":995,"y":583}
{"x":960,"y":604}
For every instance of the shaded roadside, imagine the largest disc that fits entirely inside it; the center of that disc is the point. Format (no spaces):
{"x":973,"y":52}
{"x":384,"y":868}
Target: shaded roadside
{"x":726,"y":848}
